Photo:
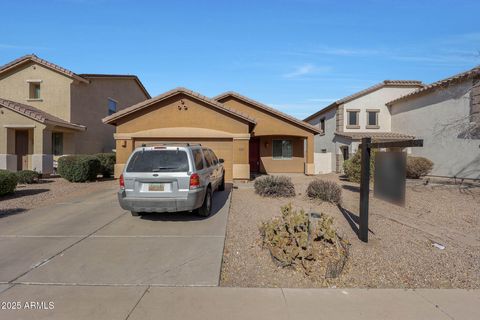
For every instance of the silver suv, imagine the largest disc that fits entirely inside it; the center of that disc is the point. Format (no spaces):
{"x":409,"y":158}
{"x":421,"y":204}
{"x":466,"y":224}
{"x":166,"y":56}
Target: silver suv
{"x":171,"y":178}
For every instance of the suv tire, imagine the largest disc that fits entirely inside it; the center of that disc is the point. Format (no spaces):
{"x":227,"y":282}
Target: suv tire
{"x":206,"y":209}
{"x":221,"y":187}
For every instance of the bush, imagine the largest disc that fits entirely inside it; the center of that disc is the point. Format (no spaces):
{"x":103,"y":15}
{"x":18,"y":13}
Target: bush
{"x":107,"y":162}
{"x":79,"y":168}
{"x":274,"y":186}
{"x":27,"y":176}
{"x":352,"y":166}
{"x":8,"y":182}
{"x":418,"y":167}
{"x":324,"y":190}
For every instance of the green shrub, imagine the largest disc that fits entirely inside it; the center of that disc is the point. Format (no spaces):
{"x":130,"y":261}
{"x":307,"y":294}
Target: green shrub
{"x":418,"y":167}
{"x":274,"y":186}
{"x":107,"y":162}
{"x":79,"y":168}
{"x":325,"y":190}
{"x":352,"y":166}
{"x":27,"y":176}
{"x":8,"y":182}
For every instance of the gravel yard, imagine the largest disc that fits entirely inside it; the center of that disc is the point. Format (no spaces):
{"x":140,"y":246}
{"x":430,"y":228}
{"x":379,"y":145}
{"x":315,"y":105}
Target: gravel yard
{"x":47,"y":191}
{"x":399,"y":253}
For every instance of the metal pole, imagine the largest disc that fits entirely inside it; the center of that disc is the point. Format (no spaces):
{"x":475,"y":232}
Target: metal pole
{"x":364,"y":189}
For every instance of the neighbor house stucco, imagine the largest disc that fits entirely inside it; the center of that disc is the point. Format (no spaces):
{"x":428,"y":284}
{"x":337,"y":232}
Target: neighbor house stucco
{"x":429,"y":116}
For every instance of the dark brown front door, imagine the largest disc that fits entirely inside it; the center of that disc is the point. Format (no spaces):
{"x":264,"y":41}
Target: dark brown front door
{"x":21,"y":148}
{"x":254,"y":155}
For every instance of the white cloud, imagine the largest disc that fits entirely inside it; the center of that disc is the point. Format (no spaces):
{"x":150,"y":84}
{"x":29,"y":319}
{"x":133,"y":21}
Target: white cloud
{"x":306,"y":69}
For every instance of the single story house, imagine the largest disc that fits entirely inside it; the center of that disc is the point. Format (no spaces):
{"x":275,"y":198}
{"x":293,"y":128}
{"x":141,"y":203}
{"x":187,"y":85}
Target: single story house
{"x":250,"y":136}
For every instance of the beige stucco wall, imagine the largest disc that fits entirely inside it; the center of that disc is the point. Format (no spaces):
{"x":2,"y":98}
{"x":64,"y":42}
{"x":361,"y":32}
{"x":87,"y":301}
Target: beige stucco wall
{"x":54,"y":88}
{"x":374,"y":100}
{"x":428,"y":116}
{"x":270,"y":165}
{"x":90,"y":104}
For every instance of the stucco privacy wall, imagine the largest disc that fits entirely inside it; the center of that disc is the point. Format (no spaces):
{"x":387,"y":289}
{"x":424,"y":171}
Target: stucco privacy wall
{"x":198,"y":118}
{"x":272,"y":125}
{"x":89,"y":104}
{"x":426,"y":116}
{"x":54,"y":88}
{"x":325,"y":141}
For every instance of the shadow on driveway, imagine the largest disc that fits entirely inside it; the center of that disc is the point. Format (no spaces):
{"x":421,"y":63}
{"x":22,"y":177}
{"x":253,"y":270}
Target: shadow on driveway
{"x":11,"y":212}
{"x":219,"y":200}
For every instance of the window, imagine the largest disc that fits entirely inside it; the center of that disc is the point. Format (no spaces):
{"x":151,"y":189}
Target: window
{"x":282,"y":149}
{"x":34,"y":90}
{"x":57,"y":143}
{"x":214,"y":157}
{"x":352,"y":119}
{"x":197,"y":157}
{"x":208,"y":157}
{"x":345,"y":153}
{"x":112,"y":106}
{"x":158,"y":161}
{"x":323,"y":151}
{"x":322,"y":125}
{"x":372,"y":119}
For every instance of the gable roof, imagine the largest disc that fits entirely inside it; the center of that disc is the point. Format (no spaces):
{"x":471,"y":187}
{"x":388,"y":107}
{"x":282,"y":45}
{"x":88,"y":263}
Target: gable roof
{"x":38,"y":115}
{"x":427,"y":88}
{"x":180,"y":90}
{"x":45,"y":63}
{"x":117,"y":76}
{"x":267,"y":109}
{"x":385,"y":83}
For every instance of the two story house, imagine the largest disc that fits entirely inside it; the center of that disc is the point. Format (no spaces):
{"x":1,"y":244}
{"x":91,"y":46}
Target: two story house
{"x":47,"y":111}
{"x":346,"y":121}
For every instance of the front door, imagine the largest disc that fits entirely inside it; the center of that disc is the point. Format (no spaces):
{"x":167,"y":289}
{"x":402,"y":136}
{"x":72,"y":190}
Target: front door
{"x":254,"y":155}
{"x":21,"y":149}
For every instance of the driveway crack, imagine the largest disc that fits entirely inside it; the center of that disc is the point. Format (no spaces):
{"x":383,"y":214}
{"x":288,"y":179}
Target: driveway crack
{"x":136,"y":304}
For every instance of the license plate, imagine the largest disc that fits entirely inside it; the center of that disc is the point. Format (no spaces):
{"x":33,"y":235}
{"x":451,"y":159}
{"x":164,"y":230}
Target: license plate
{"x":156,"y":187}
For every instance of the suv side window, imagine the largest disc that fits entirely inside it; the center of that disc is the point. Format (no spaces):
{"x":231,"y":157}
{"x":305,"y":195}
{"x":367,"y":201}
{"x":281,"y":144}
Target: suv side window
{"x":198,"y":159}
{"x":214,"y":157}
{"x":208,"y":157}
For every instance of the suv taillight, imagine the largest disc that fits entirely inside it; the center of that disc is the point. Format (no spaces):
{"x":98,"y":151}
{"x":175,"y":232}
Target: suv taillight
{"x":194,"y":181}
{"x":122,"y":182}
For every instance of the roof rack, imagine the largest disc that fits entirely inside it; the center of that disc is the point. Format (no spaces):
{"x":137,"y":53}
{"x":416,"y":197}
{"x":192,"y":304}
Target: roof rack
{"x":187,"y":144}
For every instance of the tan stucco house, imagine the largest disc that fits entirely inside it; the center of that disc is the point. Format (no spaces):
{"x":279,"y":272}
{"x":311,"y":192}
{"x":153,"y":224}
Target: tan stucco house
{"x":250,"y":136}
{"x":47,"y":111}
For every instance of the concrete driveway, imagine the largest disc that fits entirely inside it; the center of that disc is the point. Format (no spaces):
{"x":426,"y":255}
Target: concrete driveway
{"x":92,"y":241}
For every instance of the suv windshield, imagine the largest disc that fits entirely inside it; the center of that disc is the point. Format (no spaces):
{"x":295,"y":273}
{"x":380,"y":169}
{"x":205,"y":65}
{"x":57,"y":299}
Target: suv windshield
{"x":158,"y":161}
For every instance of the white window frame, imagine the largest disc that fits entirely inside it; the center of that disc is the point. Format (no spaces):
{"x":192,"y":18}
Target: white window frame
{"x":372,"y":126}
{"x":353,"y":126}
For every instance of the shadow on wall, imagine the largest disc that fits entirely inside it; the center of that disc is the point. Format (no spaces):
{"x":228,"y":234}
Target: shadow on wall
{"x":219,"y":201}
{"x":471,"y":169}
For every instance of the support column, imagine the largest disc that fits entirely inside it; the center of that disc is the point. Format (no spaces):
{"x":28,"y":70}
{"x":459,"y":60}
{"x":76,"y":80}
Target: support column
{"x":309,"y":150}
{"x":8,"y":158}
{"x":42,"y":158}
{"x":241,"y":165}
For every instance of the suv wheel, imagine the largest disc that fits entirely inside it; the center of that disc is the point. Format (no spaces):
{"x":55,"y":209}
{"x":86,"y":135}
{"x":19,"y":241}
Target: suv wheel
{"x":206,"y":208}
{"x":221,"y":187}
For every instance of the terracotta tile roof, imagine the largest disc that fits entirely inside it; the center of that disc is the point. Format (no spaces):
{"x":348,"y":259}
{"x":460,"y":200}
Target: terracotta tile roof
{"x":375,"y":135}
{"x":45,"y":63}
{"x":385,"y":83}
{"x":118,"y":76}
{"x":268,"y":109}
{"x":38,"y":115}
{"x":139,"y":106}
{"x":427,"y":88}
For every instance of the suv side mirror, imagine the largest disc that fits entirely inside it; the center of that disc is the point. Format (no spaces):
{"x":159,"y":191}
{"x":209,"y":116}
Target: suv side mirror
{"x":221,"y":160}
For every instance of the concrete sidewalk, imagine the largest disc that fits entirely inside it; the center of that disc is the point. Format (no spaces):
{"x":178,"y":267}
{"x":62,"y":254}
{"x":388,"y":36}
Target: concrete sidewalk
{"x":152,"y":302}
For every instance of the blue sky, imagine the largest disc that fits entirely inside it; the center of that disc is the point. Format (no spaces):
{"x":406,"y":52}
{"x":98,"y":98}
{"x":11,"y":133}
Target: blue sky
{"x":295,"y":55}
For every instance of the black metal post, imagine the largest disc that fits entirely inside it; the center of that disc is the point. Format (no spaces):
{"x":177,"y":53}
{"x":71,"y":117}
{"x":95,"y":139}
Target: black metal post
{"x":364,"y":189}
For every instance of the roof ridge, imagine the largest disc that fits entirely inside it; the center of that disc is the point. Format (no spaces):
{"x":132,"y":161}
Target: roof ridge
{"x":266,"y":107}
{"x":465,"y":74}
{"x":148,"y":102}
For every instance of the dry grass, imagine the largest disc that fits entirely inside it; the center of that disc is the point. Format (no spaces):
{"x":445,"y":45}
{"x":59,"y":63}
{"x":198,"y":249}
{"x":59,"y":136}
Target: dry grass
{"x":399,"y":254}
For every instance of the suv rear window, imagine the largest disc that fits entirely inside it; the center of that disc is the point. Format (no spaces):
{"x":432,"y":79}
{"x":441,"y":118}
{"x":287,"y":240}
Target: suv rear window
{"x":158,"y":161}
